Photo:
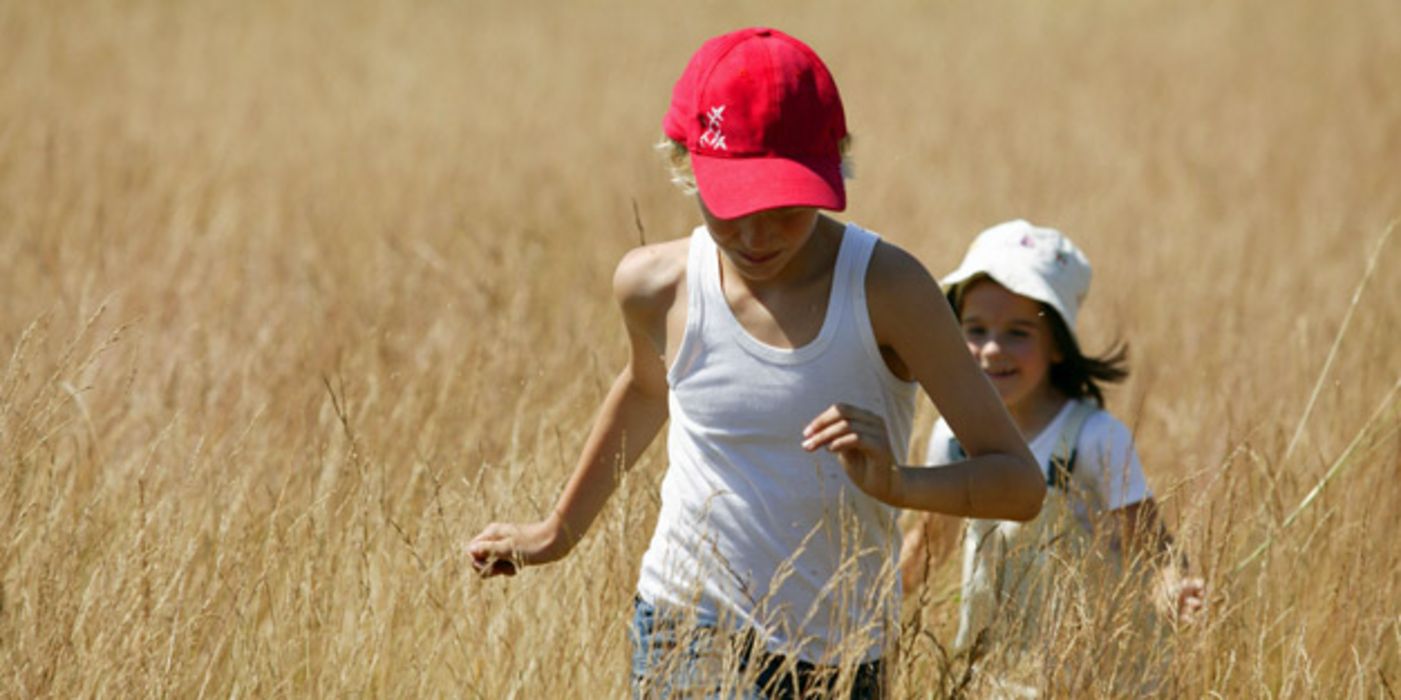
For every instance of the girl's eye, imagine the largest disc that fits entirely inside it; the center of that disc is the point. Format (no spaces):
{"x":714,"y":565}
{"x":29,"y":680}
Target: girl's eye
{"x":1019,"y":334}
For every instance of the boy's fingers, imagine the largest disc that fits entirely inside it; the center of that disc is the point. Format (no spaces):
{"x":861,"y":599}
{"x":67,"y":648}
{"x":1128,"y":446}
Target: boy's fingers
{"x":845,"y":442}
{"x":482,"y":552}
{"x":839,"y":412}
{"x":842,"y":437}
{"x":481,"y":547}
{"x":839,"y":420}
{"x":826,"y":434}
{"x":821,"y":420}
{"x":495,"y":567}
{"x":495,"y":542}
{"x":493,"y":531}
{"x":493,"y":558}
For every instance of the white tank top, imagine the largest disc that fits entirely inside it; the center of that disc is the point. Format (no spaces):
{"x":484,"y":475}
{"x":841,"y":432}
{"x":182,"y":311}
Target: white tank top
{"x":753,"y":529}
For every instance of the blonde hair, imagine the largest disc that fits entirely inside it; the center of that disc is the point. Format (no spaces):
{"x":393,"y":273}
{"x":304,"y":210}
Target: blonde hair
{"x":678,"y":161}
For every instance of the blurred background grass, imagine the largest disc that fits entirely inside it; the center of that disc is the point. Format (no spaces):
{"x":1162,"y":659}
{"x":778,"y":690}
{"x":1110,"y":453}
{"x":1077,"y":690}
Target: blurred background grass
{"x":298,"y":296}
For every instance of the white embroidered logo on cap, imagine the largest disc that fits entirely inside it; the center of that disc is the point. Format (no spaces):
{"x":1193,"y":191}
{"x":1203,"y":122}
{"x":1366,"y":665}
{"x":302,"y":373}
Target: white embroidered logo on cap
{"x":712,"y":137}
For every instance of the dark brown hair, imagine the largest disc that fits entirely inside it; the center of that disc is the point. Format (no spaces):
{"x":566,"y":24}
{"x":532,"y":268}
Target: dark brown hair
{"x":1077,"y":375}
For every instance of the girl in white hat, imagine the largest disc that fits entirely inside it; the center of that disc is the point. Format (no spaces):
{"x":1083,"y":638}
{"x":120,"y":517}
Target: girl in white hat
{"x":1016,"y":295}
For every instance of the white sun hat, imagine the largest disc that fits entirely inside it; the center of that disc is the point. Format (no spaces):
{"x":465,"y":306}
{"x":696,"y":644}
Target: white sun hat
{"x":1033,"y":261}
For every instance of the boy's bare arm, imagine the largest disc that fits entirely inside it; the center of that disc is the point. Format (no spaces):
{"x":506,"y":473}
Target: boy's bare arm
{"x":629,"y":419}
{"x":911,"y":318}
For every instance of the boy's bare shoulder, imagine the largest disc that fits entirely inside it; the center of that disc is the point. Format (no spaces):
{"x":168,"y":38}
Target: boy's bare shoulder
{"x":903,"y":298}
{"x":894,"y":273}
{"x":648,"y":277}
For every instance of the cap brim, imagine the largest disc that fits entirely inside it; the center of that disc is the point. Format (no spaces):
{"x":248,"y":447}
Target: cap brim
{"x":736,"y":187}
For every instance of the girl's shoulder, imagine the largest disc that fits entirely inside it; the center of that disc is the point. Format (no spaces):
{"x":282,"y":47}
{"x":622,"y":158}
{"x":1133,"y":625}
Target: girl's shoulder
{"x":1107,"y":461}
{"x":1102,"y":431}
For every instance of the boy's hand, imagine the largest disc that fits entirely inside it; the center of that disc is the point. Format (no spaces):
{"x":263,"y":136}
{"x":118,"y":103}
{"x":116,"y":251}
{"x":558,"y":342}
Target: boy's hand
{"x":503,"y":548}
{"x":862,"y":445}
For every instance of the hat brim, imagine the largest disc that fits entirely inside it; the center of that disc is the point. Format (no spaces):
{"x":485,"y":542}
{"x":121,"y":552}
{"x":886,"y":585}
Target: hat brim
{"x":736,"y":187}
{"x":1029,"y":286}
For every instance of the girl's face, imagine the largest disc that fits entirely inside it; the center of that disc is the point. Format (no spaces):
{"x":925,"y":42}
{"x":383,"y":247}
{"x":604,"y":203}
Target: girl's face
{"x":1011,"y":339}
{"x":761,"y":245}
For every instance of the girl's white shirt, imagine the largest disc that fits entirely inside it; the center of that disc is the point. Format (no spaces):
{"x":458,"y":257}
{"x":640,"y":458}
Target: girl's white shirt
{"x":752,"y":529}
{"x":1106,"y":462}
{"x":1008,"y":568}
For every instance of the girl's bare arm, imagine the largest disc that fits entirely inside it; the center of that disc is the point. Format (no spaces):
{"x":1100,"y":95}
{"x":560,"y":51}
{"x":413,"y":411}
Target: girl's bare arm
{"x":928,"y":541}
{"x":1145,"y":536}
{"x":629,"y":419}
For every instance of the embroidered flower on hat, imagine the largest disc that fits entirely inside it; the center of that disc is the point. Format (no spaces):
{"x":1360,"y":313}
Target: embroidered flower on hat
{"x":713,"y":137}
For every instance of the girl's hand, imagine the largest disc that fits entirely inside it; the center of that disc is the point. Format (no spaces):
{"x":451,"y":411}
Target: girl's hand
{"x":862,"y":445}
{"x":1181,"y":598}
{"x":503,"y":548}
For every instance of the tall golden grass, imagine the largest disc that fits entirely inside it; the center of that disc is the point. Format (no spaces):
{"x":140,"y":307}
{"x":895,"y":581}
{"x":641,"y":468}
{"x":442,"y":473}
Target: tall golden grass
{"x":296,"y":297}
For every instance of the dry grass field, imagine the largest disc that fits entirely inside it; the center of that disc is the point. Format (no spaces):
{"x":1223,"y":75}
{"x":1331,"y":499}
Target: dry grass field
{"x":296,"y":297}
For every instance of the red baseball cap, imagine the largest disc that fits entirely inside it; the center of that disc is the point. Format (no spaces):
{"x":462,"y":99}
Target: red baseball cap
{"x":762,"y":119}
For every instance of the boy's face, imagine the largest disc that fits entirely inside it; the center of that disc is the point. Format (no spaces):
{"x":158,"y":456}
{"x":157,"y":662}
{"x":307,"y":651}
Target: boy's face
{"x":1011,"y":340}
{"x":760,"y":246}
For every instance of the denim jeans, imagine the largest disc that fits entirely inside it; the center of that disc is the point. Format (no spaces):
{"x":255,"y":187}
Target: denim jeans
{"x":689,"y":656}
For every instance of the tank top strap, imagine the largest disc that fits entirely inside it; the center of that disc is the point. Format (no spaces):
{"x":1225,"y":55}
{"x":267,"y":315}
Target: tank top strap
{"x":857,"y":246}
{"x":701,"y":250}
{"x":862,"y":246}
{"x":698,"y":273}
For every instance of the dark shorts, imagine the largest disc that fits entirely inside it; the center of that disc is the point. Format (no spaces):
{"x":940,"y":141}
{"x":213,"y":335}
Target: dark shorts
{"x":690,"y":656}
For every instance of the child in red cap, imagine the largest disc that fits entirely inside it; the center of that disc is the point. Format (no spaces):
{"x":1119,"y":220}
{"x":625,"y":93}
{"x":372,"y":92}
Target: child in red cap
{"x":784,"y":348}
